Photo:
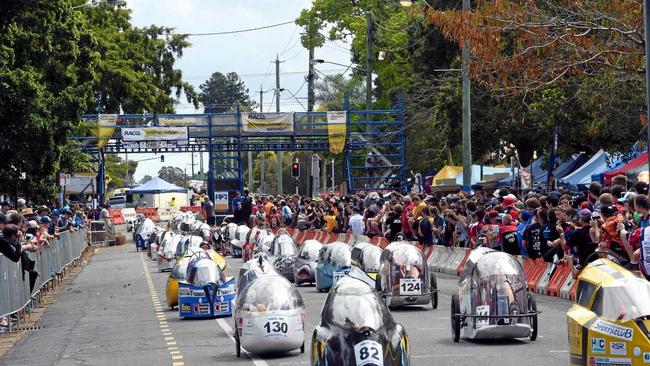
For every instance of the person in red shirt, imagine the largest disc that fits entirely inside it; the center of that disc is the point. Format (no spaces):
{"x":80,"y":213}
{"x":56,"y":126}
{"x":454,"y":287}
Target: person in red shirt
{"x":475,"y":227}
{"x":508,"y":233}
{"x":408,"y":208}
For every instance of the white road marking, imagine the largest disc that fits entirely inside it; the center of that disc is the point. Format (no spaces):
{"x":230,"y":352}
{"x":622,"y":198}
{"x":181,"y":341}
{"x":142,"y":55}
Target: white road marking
{"x":440,"y":356}
{"x":230,"y":333}
{"x":558,"y":351}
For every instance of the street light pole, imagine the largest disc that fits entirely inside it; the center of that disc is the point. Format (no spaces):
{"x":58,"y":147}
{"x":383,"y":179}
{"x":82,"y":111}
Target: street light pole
{"x":467,"y":113}
{"x":369,"y":60}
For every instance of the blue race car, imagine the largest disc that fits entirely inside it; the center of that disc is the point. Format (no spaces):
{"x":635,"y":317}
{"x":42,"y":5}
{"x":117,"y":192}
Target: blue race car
{"x":334,"y":260}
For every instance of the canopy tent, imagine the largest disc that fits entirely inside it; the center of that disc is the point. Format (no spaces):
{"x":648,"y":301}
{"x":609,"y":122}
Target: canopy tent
{"x":537,"y":168}
{"x":639,"y":161}
{"x":582,"y":176}
{"x":564,"y":168}
{"x":157,"y":185}
{"x":159,"y":193}
{"x":476,"y":173}
{"x":448,"y":172}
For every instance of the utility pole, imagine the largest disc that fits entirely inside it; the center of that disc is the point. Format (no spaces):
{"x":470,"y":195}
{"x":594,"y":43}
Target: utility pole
{"x":646,"y":13}
{"x":192,"y":164}
{"x":369,"y":60}
{"x":310,"y":76}
{"x":277,"y":110}
{"x":467,"y":113}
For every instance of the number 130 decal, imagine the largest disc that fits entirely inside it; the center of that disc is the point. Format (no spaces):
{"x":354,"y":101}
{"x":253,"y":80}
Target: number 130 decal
{"x":369,"y":353}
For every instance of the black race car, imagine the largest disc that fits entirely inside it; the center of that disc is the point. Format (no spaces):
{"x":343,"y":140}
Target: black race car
{"x":356,"y":328}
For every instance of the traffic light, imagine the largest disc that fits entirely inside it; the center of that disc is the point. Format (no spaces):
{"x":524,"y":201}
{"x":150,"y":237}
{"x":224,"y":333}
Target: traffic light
{"x":295,"y":170}
{"x":162,"y":158}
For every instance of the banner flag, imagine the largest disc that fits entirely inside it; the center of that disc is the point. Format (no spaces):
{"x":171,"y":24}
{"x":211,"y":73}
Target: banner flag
{"x":104,"y":129}
{"x":337,"y":130}
{"x":154,"y":133}
{"x":267,"y":122}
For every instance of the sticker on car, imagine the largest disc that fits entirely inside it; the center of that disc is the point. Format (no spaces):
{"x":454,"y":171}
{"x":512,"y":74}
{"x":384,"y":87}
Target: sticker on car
{"x":369,"y":353}
{"x":617,"y":348}
{"x":482,"y":310}
{"x":609,"y":361}
{"x":337,"y":276}
{"x":611,"y":329}
{"x":410,"y":286}
{"x":598,"y":345}
{"x":646,"y":357}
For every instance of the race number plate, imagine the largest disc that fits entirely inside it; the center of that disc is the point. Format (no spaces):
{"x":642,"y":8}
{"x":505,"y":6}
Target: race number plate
{"x":337,"y":276}
{"x":410,"y":286}
{"x":369,"y":353}
{"x":482,"y":310}
{"x":275,"y":326}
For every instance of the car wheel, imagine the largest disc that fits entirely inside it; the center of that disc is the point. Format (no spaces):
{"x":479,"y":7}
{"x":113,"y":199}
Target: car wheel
{"x":302,"y":348}
{"x":532,"y":308}
{"x":434,"y":291}
{"x":455,"y":318}
{"x":237,"y":344}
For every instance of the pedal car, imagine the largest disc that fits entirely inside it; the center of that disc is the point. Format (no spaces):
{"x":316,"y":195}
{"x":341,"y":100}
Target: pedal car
{"x":492,"y":301}
{"x":269,"y":317}
{"x":356,"y":328}
{"x":334,"y":259}
{"x":143,"y":233}
{"x":252,"y":270}
{"x":238,"y":240}
{"x":283,"y":255}
{"x":177,"y":274}
{"x":608,"y":324}
{"x":403,"y":277}
{"x":249,"y":243}
{"x":304,"y":270}
{"x":206,"y":291}
{"x":367,"y":257}
{"x":263,"y":245}
{"x":166,"y":254}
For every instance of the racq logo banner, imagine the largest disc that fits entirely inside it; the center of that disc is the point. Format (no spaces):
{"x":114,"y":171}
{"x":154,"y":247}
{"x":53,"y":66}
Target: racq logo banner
{"x":267,"y":122}
{"x":154,"y":134}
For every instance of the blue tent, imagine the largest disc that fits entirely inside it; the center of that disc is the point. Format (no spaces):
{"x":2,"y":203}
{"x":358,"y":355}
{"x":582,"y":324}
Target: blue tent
{"x":564,"y":168}
{"x":581,"y":177}
{"x":155,"y":186}
{"x":476,"y":173}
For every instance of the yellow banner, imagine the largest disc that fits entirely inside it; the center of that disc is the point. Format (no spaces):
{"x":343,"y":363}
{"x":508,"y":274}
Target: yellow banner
{"x":337,"y":131}
{"x":104,"y":129}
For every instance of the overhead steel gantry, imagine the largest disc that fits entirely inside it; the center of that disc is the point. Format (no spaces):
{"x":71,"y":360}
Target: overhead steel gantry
{"x":374,"y":148}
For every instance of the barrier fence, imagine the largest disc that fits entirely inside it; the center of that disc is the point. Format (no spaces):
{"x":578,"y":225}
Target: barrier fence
{"x":50,"y":263}
{"x":544,"y":278}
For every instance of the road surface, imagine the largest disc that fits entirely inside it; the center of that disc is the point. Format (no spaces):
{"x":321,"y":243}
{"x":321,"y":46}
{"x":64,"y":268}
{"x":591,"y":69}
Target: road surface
{"x":114,"y":313}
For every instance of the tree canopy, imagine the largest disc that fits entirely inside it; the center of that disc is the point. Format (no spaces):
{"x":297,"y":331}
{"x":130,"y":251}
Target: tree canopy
{"x":222,"y":92}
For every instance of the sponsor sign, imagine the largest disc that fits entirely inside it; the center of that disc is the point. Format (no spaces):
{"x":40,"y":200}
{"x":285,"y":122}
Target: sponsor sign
{"x":598,"y":345}
{"x":267,"y":122}
{"x":618,"y":348}
{"x":337,"y":130}
{"x":646,"y":357}
{"x":221,"y":201}
{"x":617,"y":331}
{"x":185,"y":307}
{"x":175,"y":120}
{"x":154,"y":133}
{"x":609,"y":361}
{"x":105,"y":128}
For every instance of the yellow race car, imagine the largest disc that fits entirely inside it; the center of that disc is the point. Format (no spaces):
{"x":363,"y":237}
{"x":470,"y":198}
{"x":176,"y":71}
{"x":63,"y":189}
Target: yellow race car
{"x":610,"y":321}
{"x":178,"y":273}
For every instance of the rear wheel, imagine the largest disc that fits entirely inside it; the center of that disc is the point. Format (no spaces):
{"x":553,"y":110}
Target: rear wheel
{"x":455,"y":318}
{"x":237,"y":344}
{"x":434,"y":291}
{"x":532,"y":308}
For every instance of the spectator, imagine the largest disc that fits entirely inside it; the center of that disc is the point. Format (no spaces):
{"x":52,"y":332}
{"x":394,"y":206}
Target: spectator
{"x":356,"y":223}
{"x":208,"y":206}
{"x":10,"y":245}
{"x":508,"y":236}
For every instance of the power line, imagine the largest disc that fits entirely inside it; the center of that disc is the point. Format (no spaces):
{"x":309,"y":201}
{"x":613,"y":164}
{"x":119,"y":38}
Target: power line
{"x":265,"y":74}
{"x":238,"y":30}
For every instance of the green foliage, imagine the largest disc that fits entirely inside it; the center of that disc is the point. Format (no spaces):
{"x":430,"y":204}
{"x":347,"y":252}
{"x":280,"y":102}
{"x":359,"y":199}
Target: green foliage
{"x":47,"y":73}
{"x":221,"y":93}
{"x":116,"y":170}
{"x":173,"y":175}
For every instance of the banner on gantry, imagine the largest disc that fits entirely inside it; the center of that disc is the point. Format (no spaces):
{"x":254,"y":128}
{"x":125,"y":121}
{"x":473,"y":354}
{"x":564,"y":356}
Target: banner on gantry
{"x":154,"y":133}
{"x":337,"y":130}
{"x":267,"y":122}
{"x":104,"y":128}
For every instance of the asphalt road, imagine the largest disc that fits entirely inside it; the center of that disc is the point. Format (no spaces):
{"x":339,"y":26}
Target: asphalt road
{"x":114,"y":313}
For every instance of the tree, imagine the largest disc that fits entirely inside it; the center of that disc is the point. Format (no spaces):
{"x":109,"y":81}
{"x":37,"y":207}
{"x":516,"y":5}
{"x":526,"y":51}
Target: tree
{"x":330,"y":91}
{"x":145,"y":179}
{"x":136,"y":71}
{"x":116,"y":170}
{"x":47,"y":71}
{"x":222,"y":92}
{"x":173,"y":175}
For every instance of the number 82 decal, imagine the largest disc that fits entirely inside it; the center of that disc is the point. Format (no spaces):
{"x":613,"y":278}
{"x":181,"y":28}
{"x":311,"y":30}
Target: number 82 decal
{"x":369,"y":353}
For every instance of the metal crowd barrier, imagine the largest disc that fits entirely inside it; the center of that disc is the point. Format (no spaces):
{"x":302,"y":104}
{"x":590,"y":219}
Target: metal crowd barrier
{"x":51,"y":264}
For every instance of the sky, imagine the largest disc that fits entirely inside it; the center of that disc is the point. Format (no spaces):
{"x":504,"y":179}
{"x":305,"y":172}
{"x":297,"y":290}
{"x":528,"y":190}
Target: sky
{"x":248,"y":54}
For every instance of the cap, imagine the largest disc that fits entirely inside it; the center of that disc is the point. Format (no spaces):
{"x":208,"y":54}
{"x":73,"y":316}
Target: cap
{"x":509,"y":200}
{"x":585,"y":204}
{"x":514,"y":214}
{"x":46,"y":220}
{"x":627,"y":196}
{"x":42,"y":208}
{"x":56,"y":213}
{"x":32,"y":224}
{"x":493,"y":214}
{"x":584,"y":213}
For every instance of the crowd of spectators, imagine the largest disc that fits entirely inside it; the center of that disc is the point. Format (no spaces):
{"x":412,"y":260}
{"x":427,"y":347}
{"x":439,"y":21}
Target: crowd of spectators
{"x":534,"y":223}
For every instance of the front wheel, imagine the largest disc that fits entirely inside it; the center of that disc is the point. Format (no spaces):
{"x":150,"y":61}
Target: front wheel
{"x":434,"y":291}
{"x":302,"y":348}
{"x":237,"y":344}
{"x":532,"y":308}
{"x":455,"y":318}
